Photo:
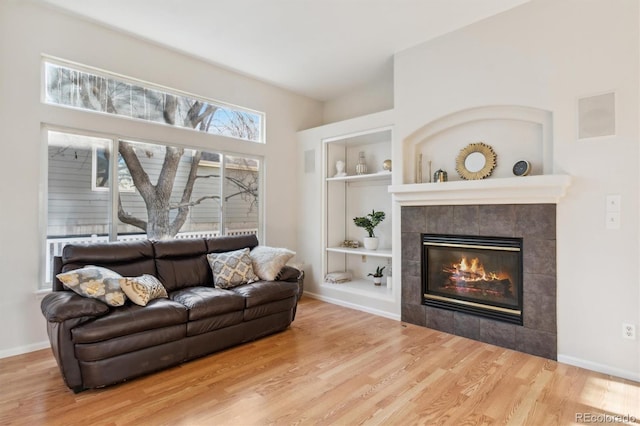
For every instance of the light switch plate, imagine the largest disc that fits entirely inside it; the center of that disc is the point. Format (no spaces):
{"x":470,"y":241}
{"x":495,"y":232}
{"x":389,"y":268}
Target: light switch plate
{"x":613,"y":220}
{"x":614,"y":203}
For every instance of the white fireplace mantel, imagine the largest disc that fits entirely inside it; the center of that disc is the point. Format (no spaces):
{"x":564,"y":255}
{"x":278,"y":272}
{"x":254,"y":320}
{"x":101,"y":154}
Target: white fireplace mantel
{"x":542,"y":189}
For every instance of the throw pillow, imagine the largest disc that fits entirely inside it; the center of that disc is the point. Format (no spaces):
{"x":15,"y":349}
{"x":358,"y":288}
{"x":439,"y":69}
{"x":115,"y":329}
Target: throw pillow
{"x":268,"y":261}
{"x":143,"y":289}
{"x":92,"y":282}
{"x":232,"y":268}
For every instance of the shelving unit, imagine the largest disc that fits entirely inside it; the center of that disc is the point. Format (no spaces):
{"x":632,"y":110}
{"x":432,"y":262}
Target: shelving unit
{"x":328,"y":204}
{"x":346,"y":197}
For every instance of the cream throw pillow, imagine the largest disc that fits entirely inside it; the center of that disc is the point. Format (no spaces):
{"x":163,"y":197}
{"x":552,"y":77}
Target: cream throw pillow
{"x":143,"y":289}
{"x":93,"y":282}
{"x":231,"y":268}
{"x":269,"y":261}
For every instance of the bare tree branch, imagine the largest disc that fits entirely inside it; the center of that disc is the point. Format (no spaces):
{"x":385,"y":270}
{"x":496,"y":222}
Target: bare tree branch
{"x":195,"y":202}
{"x":129,"y":219}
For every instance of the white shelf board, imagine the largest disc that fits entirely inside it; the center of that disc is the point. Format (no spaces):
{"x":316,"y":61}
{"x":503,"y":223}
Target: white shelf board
{"x":381,"y":252}
{"x":363,"y":287}
{"x":368,"y":176}
{"x":516,"y":190}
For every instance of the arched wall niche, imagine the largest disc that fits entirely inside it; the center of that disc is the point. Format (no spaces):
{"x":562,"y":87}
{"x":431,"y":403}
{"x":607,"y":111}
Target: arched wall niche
{"x":514,"y":132}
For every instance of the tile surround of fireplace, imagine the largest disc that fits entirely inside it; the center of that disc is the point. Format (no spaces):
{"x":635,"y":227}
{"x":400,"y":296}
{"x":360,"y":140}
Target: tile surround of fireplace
{"x":535,"y":224}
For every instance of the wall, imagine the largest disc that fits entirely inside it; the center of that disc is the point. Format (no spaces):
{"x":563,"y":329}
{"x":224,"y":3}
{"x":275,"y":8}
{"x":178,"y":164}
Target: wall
{"x":547,"y":54}
{"x":26,"y":32}
{"x":369,"y":98}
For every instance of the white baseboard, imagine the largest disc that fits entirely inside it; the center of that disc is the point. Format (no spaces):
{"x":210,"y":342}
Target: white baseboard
{"x":600,"y":368}
{"x":6,"y":353}
{"x":353,"y":306}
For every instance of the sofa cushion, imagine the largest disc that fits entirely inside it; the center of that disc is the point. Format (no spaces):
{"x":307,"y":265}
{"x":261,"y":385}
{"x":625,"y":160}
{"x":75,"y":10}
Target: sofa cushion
{"x":269,"y":308}
{"x":203,"y":302}
{"x":206,"y":325}
{"x":129,"y":343}
{"x":182,"y":263}
{"x":130,"y":319}
{"x":230,"y":243}
{"x":268,"y":261}
{"x":128,"y":258}
{"x":93,"y":282}
{"x":231,"y":268}
{"x":261,"y":292}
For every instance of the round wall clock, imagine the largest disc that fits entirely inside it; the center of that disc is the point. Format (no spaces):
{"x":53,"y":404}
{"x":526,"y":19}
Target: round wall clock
{"x":521,"y":168}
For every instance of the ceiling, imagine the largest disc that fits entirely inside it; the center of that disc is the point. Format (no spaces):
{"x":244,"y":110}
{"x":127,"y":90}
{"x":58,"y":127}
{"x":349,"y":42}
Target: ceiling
{"x":318,"y":48}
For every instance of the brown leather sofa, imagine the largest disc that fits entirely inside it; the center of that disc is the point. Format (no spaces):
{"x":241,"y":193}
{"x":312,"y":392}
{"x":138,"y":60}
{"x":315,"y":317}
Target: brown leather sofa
{"x":97,"y":345}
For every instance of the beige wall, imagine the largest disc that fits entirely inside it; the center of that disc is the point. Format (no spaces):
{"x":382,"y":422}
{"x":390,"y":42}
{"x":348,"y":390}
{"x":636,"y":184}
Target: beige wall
{"x":28,"y":31}
{"x":547,"y":54}
{"x":371,"y":97}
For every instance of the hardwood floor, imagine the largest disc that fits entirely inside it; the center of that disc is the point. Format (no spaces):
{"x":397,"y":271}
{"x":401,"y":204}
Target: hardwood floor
{"x":333,"y":366}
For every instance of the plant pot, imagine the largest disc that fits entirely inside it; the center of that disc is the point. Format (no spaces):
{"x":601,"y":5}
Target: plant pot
{"x":377,"y":280}
{"x":371,"y":243}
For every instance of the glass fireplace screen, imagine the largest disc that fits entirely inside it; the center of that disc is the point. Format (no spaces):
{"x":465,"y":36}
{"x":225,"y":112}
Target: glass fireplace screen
{"x":477,"y":275}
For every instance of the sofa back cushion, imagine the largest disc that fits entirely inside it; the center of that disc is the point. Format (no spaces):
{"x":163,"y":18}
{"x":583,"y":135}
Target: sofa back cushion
{"x":182,"y":263}
{"x":127,"y":258}
{"x":231,"y":243}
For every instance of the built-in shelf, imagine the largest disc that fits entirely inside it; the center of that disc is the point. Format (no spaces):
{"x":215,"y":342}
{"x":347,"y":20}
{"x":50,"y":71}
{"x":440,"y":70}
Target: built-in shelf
{"x":384,"y":175}
{"x":363,"y":287}
{"x":381,"y":252}
{"x":517,"y":190}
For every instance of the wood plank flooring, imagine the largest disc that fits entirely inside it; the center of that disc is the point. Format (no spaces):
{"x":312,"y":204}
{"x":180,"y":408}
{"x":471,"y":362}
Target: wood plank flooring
{"x":334,"y":366}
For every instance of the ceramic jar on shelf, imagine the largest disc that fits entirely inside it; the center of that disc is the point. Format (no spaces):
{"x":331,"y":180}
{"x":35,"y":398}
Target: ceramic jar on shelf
{"x":361,"y":167}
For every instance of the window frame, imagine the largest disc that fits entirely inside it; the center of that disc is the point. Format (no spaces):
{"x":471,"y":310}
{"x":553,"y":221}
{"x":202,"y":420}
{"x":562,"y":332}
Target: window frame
{"x":147,"y":85}
{"x":114,"y":189}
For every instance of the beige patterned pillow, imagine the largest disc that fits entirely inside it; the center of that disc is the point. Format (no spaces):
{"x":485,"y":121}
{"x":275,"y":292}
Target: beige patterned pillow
{"x":232,"y":268}
{"x":93,"y":282}
{"x":269,"y":261}
{"x":143,"y":289}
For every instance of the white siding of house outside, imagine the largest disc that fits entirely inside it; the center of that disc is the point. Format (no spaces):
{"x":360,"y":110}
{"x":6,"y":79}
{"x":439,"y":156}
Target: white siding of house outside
{"x":77,"y":210}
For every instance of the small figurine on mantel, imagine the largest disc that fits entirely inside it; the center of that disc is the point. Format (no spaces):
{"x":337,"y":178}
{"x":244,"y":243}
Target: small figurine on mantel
{"x":340,"y":169}
{"x":440,"y":176}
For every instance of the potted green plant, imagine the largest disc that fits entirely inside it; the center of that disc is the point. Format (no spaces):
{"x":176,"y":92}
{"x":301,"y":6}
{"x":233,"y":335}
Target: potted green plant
{"x":377,"y":275}
{"x":369,"y":222}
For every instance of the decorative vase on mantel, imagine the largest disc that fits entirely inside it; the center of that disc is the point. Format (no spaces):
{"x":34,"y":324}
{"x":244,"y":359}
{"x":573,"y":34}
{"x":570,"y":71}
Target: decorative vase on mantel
{"x":371,"y":243}
{"x":361,"y":167}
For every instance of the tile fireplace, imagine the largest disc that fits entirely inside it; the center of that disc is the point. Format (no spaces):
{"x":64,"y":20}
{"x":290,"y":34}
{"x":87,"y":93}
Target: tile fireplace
{"x":532,"y":227}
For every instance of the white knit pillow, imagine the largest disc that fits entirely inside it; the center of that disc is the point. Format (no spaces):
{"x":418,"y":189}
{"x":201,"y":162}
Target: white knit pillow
{"x":269,"y":261}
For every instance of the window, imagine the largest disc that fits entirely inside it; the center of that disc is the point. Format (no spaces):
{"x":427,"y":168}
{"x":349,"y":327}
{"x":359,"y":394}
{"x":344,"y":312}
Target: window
{"x":80,"y":87}
{"x":161,"y":192}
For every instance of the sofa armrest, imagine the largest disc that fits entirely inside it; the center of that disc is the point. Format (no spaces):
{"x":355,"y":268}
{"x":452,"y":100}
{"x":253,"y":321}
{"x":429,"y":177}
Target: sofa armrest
{"x":60,"y":306}
{"x":294,"y":275}
{"x":289,"y":273}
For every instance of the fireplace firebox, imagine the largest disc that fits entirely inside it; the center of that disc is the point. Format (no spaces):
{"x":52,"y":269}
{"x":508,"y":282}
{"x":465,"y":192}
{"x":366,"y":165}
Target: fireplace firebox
{"x":473,"y":274}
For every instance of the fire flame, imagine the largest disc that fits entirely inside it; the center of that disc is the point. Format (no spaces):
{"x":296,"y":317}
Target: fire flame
{"x":470,"y":271}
